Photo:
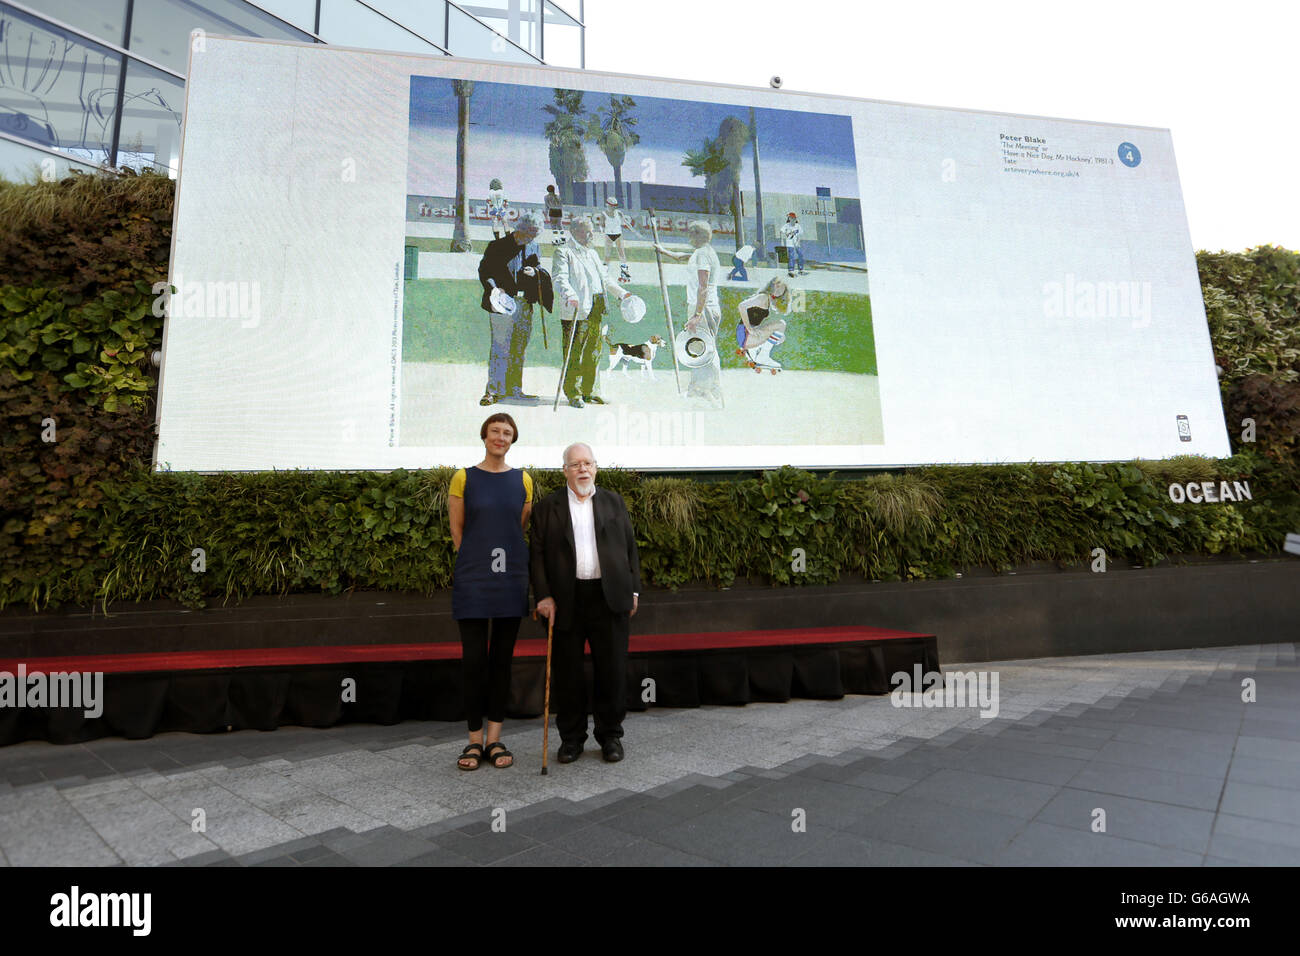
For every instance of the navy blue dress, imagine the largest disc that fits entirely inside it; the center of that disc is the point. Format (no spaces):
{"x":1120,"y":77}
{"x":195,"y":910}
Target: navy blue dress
{"x":491,"y":578}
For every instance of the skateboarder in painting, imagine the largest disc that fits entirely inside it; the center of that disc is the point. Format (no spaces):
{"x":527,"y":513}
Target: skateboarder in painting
{"x":792,"y":233}
{"x":496,"y":207}
{"x":614,"y":223}
{"x":759,"y":330}
{"x":704,"y":312}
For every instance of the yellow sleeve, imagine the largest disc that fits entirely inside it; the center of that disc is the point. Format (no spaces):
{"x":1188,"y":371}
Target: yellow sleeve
{"x":528,"y":488}
{"x":457,"y":489}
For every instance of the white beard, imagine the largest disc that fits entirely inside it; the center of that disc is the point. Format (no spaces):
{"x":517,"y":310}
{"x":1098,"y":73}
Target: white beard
{"x":585,"y":487}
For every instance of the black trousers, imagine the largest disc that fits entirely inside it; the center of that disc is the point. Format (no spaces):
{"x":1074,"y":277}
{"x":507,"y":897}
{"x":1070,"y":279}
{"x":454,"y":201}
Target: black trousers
{"x":486,"y":666}
{"x":606,"y":633}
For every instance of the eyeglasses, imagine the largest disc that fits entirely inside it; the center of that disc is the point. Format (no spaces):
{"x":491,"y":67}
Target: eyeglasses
{"x":581,"y":464}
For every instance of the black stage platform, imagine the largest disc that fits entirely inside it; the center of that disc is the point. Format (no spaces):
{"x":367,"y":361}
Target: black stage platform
{"x":212,"y":691}
{"x":1037,"y":612}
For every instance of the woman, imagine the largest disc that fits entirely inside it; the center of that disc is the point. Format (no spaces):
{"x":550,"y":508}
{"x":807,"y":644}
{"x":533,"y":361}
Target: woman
{"x":488,"y":508}
{"x":555,"y":212}
{"x":702,"y":306}
{"x":758,"y":331}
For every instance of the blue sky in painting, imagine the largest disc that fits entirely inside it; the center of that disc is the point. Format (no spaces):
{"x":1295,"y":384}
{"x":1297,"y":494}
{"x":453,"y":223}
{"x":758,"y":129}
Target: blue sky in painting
{"x":799,"y":150}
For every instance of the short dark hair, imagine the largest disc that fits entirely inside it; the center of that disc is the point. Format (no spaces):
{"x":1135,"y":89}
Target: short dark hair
{"x":499,"y":417}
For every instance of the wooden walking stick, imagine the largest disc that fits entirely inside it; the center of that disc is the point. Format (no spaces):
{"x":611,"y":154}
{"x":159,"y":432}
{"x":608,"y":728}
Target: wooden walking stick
{"x":668,"y":311}
{"x":546,"y":697}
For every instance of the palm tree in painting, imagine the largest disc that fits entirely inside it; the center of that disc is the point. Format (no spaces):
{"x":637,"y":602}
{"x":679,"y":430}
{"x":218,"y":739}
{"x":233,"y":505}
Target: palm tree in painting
{"x":733,"y":137}
{"x":566,"y":134}
{"x":760,"y":242}
{"x":708,"y":161}
{"x":612,"y":130}
{"x":463,"y":89}
{"x":719,"y":161}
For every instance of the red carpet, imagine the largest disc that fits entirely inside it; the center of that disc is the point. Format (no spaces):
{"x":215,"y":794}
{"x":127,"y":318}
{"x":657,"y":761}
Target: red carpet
{"x":441,"y":651}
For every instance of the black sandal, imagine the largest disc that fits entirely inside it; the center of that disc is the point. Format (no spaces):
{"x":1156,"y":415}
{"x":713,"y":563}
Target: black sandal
{"x":495,"y":751}
{"x":476,"y":757}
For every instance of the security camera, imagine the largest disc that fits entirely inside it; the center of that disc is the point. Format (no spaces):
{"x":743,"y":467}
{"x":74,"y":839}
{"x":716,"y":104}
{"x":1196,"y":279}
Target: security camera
{"x":776,"y":82}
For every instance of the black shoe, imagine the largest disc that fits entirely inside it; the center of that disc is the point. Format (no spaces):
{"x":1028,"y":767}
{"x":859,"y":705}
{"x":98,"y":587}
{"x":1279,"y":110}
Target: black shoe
{"x":576,"y":402}
{"x":612,"y":750}
{"x":593,"y":399}
{"x":569,"y":752}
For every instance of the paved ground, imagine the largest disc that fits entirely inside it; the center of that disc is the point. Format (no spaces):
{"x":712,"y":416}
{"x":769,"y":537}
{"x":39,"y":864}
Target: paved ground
{"x":1187,"y":774}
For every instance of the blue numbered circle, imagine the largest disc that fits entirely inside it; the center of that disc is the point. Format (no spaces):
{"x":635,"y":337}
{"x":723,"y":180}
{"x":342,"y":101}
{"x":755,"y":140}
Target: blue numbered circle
{"x":1129,"y":154}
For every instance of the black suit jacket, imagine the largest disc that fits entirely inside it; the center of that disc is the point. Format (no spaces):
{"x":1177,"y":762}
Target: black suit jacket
{"x":554,"y":561}
{"x":495,"y":265}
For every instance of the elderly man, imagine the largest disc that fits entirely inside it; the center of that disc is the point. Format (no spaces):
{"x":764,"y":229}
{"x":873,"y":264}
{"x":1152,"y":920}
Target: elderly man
{"x":582,"y":284}
{"x":510,"y":264}
{"x":586,"y":576}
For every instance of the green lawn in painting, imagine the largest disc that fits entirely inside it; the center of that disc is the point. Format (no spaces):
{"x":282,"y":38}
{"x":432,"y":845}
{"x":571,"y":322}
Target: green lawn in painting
{"x":443,"y":322}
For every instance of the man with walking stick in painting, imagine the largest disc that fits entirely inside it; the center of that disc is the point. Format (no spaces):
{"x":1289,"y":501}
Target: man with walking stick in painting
{"x":583,"y":285}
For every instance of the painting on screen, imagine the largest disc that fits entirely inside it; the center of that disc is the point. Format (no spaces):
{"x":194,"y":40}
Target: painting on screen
{"x":647,"y":271}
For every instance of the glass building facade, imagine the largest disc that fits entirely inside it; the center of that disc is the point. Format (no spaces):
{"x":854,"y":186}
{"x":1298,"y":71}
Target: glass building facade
{"x":90,"y":82}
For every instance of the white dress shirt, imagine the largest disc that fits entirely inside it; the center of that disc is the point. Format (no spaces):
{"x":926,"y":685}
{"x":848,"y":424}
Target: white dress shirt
{"x":584,"y":536}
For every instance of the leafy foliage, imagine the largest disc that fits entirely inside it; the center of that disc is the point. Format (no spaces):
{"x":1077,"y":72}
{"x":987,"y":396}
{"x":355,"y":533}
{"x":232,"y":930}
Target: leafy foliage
{"x":83,"y":235}
{"x":99,"y":348}
{"x":83,"y":518}
{"x":1252,"y":303}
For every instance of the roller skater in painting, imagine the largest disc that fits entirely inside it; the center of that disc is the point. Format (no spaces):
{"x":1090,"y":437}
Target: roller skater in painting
{"x":496,"y":208}
{"x":759,"y":331}
{"x":555,"y":213}
{"x":614,"y":223}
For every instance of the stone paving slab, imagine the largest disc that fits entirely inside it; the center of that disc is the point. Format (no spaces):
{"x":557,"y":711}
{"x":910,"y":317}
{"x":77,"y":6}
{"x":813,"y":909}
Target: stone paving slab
{"x":1186,"y":772}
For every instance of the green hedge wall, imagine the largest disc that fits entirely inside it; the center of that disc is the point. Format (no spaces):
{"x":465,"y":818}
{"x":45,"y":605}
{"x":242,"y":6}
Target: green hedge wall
{"x":83,"y":519}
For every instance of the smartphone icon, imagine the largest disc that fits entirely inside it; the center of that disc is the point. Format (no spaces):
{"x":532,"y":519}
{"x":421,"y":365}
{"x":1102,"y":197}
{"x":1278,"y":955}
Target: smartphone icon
{"x":1184,"y":429}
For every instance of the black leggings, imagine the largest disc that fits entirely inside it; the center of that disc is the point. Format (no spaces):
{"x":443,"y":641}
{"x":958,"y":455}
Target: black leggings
{"x":487,"y":670}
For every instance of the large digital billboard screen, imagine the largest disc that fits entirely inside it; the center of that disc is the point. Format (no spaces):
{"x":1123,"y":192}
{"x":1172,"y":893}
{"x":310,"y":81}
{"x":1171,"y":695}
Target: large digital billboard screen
{"x":375,"y":251}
